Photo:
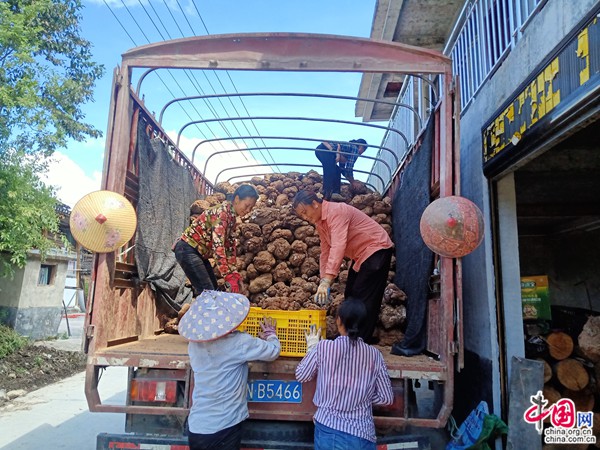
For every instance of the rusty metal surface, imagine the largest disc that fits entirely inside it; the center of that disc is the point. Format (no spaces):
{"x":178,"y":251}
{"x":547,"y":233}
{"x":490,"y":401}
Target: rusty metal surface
{"x":117,"y":315}
{"x":287,"y":51}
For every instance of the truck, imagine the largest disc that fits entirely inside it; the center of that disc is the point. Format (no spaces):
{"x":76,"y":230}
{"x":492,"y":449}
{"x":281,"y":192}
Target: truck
{"x":124,"y":324}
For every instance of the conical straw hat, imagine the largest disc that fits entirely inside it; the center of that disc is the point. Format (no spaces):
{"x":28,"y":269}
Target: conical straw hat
{"x":213,"y":314}
{"x":103,"y":221}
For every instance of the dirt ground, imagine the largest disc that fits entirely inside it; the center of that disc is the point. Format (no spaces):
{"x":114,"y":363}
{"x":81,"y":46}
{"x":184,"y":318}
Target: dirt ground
{"x":33,"y":367}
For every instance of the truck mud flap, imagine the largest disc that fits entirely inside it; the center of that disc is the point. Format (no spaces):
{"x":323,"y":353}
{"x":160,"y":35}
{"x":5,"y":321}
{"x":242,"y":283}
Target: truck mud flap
{"x":107,"y":441}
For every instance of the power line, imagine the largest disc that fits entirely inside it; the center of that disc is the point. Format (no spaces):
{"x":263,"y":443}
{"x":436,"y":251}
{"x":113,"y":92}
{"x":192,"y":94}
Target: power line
{"x":158,"y":75}
{"x":163,"y":38}
{"x":219,"y":80}
{"x":200,"y":90}
{"x":194,"y":82}
{"x":186,"y":72}
{"x":117,"y":19}
{"x":230,"y":80}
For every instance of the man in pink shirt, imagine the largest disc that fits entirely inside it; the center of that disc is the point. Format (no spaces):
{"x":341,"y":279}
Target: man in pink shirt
{"x":348,"y":232}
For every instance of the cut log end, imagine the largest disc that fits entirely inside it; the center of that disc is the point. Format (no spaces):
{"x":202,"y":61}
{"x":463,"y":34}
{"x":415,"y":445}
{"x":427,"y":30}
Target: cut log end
{"x":572,"y":374}
{"x":560,"y":345}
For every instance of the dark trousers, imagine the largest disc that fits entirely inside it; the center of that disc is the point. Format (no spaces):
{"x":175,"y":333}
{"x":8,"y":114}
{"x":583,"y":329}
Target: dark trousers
{"x":368,"y":285}
{"x":197,"y":269}
{"x":332,"y":175}
{"x":227,"y":439}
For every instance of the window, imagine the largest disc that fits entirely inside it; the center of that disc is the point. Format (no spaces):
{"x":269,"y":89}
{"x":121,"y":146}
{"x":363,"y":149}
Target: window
{"x":72,"y":269}
{"x":46,"y":276}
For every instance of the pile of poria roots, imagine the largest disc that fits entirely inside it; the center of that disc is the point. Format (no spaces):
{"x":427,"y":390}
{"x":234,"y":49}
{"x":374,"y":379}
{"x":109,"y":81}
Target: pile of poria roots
{"x":278,"y":252}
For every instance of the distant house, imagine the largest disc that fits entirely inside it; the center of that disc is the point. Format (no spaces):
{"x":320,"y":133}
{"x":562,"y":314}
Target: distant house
{"x":31,"y":302}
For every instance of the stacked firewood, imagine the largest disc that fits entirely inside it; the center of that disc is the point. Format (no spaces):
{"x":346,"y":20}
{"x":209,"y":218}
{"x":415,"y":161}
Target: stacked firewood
{"x":278,"y":252}
{"x":572,"y":370}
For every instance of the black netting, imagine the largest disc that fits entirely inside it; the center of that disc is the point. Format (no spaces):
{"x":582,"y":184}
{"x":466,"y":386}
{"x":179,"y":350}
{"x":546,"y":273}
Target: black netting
{"x":414,"y":260}
{"x":166,"y":191}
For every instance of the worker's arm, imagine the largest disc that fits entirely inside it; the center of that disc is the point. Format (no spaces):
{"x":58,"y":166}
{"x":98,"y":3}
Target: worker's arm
{"x":323,"y":258}
{"x":223,"y":241}
{"x":307,"y":369}
{"x":338,"y":235}
{"x":255,"y":349}
{"x":383,"y":395}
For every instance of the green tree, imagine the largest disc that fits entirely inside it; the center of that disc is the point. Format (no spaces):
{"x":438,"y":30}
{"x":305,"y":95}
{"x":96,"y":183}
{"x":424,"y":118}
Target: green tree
{"x":27,"y":210}
{"x":46,"y":75}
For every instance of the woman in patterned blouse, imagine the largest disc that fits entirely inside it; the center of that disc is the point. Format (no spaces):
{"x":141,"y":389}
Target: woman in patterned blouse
{"x":211,"y":235}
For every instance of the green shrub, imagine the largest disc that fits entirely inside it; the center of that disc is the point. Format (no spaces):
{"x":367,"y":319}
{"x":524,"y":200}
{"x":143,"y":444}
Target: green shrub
{"x":10,"y":341}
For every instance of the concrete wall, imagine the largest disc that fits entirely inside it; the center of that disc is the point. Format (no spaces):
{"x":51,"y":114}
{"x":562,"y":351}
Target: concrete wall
{"x":36,"y":295}
{"x":34,"y":310}
{"x":553,"y":22}
{"x":10,"y":289}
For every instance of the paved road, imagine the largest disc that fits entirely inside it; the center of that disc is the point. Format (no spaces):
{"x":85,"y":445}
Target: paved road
{"x":57,"y":416}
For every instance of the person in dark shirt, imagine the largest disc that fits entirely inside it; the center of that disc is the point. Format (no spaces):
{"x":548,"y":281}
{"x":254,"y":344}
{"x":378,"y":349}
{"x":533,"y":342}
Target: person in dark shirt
{"x":338,"y":159}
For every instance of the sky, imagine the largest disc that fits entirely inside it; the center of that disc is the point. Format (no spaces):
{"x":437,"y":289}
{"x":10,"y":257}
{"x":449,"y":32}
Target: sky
{"x":115,"y":26}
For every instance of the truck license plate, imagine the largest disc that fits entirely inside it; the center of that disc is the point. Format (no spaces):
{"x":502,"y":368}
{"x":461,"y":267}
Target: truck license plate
{"x":275,"y":391}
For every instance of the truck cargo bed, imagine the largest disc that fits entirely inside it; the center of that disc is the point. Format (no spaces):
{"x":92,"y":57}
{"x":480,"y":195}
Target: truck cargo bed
{"x":170,"y":351}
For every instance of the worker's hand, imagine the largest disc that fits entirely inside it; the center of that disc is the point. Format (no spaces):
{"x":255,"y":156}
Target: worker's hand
{"x":313,"y":336}
{"x":322,"y":295}
{"x":268,"y":326}
{"x":233,"y":282}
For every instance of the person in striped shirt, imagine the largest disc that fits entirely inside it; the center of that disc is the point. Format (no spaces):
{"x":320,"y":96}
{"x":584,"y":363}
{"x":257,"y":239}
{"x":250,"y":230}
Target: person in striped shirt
{"x":351,"y":378}
{"x":338,"y":159}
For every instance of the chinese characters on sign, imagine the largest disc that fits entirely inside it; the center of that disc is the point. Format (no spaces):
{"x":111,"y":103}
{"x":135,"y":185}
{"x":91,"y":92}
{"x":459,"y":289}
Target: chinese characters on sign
{"x":568,"y":426}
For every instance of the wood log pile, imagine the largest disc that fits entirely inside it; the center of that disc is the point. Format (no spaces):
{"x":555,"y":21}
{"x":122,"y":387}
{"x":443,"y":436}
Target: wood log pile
{"x":278,"y":252}
{"x":572,"y":370}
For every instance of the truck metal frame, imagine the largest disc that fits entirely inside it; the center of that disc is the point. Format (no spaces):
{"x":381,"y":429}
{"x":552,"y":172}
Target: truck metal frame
{"x":133,"y":340}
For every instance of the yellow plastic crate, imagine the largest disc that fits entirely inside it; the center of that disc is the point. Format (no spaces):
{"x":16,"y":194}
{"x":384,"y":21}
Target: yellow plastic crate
{"x":291,"y":327}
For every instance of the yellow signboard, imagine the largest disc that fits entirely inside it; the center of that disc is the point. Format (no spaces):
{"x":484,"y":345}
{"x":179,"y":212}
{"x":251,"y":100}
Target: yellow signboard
{"x":556,"y":81}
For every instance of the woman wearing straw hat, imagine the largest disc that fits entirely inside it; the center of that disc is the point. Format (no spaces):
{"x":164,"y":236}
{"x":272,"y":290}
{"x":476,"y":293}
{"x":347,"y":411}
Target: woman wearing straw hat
{"x":219,"y":357}
{"x":211,"y":235}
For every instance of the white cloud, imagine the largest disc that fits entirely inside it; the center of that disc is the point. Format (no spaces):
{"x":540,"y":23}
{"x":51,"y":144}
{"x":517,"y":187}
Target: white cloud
{"x":220,"y":165}
{"x":70,"y":180}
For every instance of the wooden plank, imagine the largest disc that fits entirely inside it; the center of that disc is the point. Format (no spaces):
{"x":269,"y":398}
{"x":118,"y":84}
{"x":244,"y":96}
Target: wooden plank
{"x":435,"y":341}
{"x":125,"y":267}
{"x":123,"y":283}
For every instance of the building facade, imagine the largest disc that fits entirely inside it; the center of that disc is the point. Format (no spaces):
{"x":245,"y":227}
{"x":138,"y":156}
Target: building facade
{"x":528,"y":73}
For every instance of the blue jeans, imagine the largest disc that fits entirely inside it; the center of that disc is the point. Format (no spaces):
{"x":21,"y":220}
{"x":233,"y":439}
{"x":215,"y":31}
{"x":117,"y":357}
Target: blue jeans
{"x":329,"y":439}
{"x":332,"y":175}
